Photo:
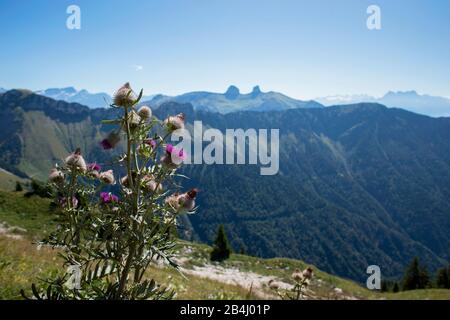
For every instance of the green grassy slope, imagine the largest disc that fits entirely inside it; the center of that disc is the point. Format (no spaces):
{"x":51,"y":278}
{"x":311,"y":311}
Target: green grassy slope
{"x":21,"y":263}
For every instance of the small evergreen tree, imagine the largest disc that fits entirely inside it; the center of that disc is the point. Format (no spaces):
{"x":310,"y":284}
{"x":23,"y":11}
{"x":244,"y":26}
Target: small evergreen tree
{"x":424,"y":280}
{"x":19,"y":187}
{"x":416,"y":276}
{"x":221,"y":249}
{"x":411,"y":279}
{"x":443,"y":280}
{"x":395,"y":288}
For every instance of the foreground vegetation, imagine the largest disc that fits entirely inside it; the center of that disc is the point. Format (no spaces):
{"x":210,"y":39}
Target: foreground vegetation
{"x":22,"y":262}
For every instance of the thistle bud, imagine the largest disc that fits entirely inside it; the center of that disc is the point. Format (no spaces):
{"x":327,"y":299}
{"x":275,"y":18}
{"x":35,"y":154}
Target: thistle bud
{"x":56,"y":176}
{"x":145,"y":112}
{"x":175,"y":122}
{"x":297,"y":275}
{"x":187,"y":200}
{"x":173,"y":157}
{"x":149,"y":184}
{"x":111,"y":140}
{"x":76,"y":161}
{"x":172,"y":201}
{"x":125,"y":96}
{"x":308,"y":273}
{"x":93,"y":170}
{"x":107,"y":177}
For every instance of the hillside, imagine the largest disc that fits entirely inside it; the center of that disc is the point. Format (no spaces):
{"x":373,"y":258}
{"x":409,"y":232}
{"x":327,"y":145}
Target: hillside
{"x":240,"y":277}
{"x":358,"y":185}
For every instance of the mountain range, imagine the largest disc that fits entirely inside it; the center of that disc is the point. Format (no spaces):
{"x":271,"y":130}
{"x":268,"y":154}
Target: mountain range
{"x":409,"y":100}
{"x":256,"y":100}
{"x":84,"y":97}
{"x":358,"y":184}
{"x":233,"y":100}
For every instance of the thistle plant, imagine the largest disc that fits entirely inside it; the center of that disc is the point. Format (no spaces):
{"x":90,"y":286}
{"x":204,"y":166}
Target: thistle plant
{"x":112,"y":225}
{"x":298,"y":290}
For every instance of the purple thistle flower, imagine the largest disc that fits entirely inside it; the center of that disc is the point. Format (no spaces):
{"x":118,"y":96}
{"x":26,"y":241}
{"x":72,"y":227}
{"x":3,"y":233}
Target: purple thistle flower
{"x":94,"y":167}
{"x":106,"y":197}
{"x":150,"y":142}
{"x":110,"y":141}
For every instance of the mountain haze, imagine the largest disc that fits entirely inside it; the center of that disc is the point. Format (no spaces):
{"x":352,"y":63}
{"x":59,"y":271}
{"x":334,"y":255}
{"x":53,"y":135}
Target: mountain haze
{"x":233,"y":100}
{"x":409,"y":100}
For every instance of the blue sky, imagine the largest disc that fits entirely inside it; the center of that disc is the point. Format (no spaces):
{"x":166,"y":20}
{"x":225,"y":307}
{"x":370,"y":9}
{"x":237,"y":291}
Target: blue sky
{"x":305,"y":49}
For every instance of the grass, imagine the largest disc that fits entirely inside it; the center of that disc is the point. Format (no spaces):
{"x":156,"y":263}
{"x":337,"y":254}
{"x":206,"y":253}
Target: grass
{"x":31,"y":213}
{"x":8,"y":180}
{"x":21,"y":263}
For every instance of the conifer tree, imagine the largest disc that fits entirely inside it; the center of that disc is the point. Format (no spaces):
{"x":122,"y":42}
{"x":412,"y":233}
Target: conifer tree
{"x":19,"y":187}
{"x":411,"y":279}
{"x":395,"y":288}
{"x":443,"y":280}
{"x":221,"y":249}
{"x":416,"y":276}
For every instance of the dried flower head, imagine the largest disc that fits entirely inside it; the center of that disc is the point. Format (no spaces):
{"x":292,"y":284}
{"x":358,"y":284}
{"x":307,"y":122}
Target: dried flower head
{"x":175,"y":122}
{"x":56,"y":176}
{"x":187,"y":200}
{"x":273,"y":284}
{"x":149,"y":184}
{"x":134,"y":120}
{"x":308,"y":273}
{"x":172,"y":201}
{"x":145,"y":112}
{"x":125,"y":96}
{"x":75,"y":161}
{"x":107,"y":177}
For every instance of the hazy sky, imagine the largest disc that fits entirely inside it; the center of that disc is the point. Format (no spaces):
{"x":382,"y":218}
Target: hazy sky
{"x":302,"y":48}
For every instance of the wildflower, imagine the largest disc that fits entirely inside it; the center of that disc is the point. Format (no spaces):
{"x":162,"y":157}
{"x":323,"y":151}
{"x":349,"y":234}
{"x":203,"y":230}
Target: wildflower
{"x":56,"y":176}
{"x":111,"y":140}
{"x":145,"y":112}
{"x":125,"y":96}
{"x":106,"y":198}
{"x":173,"y":157}
{"x":107,"y":177}
{"x":76,"y":161}
{"x":175,"y":122}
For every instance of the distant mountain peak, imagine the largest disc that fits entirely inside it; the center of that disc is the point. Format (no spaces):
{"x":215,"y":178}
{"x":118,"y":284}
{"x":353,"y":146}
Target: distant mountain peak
{"x":256,"y":91}
{"x":402,"y":93}
{"x":232,"y":92}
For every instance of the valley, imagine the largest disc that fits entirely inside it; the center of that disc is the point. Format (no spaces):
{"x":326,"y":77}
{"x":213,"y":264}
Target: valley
{"x":357,"y":185}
